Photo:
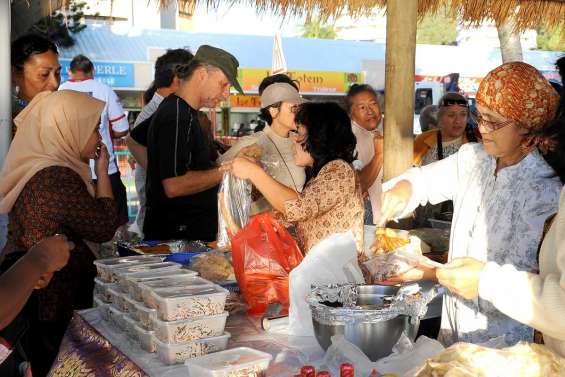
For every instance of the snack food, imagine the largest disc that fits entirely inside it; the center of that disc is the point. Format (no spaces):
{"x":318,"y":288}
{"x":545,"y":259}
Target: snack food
{"x":179,"y":352}
{"x":235,"y":362}
{"x":105,"y":267}
{"x":189,"y":330}
{"x":190,"y":302}
{"x":213,"y":266}
{"x":388,"y":240}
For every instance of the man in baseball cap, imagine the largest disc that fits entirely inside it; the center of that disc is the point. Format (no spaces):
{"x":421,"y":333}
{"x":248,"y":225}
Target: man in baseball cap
{"x":182,"y":180}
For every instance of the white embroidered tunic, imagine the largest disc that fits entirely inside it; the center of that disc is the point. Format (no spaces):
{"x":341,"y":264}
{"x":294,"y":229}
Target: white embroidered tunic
{"x":496,"y":218}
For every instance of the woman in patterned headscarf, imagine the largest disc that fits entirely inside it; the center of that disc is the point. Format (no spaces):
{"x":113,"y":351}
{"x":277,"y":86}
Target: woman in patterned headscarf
{"x":503,"y":191}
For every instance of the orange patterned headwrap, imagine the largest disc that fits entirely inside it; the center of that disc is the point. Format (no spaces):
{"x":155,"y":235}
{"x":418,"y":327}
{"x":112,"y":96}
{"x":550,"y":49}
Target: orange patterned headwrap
{"x":519,"y":92}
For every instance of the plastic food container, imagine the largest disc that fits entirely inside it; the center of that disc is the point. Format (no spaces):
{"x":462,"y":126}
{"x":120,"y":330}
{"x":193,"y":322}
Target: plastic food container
{"x":133,"y":281}
{"x":121,"y":274}
{"x":145,"y":338}
{"x":101,"y":289}
{"x":146,"y":316}
{"x":189,"y":330}
{"x":130,"y":304}
{"x":148,"y":287}
{"x":114,"y":296}
{"x":236,"y":362}
{"x":129,"y":328}
{"x":116,"y":317}
{"x":105,"y":267}
{"x":190,"y":302}
{"x":180,"y":352}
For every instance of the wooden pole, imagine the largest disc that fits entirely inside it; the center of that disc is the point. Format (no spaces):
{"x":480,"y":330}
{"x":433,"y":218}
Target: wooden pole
{"x":399,"y":86}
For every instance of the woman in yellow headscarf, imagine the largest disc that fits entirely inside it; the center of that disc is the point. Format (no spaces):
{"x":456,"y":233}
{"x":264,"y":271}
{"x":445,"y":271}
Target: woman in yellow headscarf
{"x":46,"y":188}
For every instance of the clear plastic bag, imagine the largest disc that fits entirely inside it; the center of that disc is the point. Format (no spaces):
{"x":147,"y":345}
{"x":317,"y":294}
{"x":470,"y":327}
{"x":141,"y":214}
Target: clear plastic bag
{"x":234,"y":204}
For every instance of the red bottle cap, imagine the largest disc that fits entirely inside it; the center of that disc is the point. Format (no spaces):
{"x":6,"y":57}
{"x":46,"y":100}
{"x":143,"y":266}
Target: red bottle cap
{"x":308,"y":371}
{"x":346,"y":370}
{"x":323,"y":374}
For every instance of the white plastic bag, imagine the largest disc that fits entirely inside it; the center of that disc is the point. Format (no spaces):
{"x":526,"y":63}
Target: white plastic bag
{"x":234,"y":204}
{"x":332,"y":261}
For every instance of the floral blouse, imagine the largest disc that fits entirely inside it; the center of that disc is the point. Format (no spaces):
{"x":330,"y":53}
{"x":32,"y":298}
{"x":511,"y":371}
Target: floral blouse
{"x":496,"y":218}
{"x":330,"y":203}
{"x":55,"y":200}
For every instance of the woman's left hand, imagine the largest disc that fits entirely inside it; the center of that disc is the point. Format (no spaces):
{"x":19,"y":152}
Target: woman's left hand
{"x":461,"y":276}
{"x":414,"y":274}
{"x":241,"y":167}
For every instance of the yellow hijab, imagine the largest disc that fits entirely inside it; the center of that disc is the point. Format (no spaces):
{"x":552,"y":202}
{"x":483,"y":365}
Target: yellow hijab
{"x":51,"y":131}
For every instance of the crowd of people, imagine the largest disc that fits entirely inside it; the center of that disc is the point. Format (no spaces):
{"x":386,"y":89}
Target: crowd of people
{"x":316,"y":165}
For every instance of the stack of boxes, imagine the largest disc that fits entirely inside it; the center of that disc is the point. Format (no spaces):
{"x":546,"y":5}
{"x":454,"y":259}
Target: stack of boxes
{"x":165,"y":308}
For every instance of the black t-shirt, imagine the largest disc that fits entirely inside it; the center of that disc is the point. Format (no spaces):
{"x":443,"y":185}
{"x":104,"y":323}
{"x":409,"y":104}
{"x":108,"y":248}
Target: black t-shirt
{"x":175,"y":145}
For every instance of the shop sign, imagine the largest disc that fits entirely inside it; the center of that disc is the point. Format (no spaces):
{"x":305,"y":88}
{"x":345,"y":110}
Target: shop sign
{"x":116,"y":75}
{"x":239,"y":100}
{"x":310,"y":81}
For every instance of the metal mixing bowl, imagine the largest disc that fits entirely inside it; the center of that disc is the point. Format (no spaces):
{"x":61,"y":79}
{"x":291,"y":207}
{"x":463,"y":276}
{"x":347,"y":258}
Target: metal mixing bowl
{"x":375,"y":339}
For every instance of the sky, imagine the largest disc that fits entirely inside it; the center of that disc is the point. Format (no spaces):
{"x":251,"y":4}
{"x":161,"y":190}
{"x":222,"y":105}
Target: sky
{"x":243,"y":19}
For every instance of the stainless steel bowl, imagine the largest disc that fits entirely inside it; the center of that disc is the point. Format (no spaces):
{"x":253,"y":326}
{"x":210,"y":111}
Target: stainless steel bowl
{"x":375,"y":339}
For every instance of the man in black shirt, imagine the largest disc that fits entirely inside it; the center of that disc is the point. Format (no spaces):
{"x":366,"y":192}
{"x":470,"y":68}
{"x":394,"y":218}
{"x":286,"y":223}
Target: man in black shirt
{"x":182,"y":181}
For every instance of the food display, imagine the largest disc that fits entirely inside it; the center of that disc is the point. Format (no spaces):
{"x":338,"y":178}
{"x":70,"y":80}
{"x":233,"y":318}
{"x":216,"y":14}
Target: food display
{"x":146,"y":288}
{"x":101,"y":289}
{"x":236,"y":362}
{"x":190,"y":302}
{"x":521,"y":360}
{"x":116,"y":317}
{"x":189,"y":330}
{"x":121,"y":275}
{"x":179,"y":352}
{"x":134,"y":281}
{"x":106,"y":267}
{"x":131,"y":307}
{"x":145,"y":315}
{"x":214,"y":266}
{"x":129,"y":326}
{"x":145,"y":338}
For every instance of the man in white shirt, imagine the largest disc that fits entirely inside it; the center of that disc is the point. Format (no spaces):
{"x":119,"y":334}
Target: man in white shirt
{"x":165,"y":82}
{"x":366,"y":117}
{"x":113,"y":121}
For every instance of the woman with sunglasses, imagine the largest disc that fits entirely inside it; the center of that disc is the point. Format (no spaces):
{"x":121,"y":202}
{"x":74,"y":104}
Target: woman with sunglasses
{"x":331,"y":201}
{"x":503,"y":191}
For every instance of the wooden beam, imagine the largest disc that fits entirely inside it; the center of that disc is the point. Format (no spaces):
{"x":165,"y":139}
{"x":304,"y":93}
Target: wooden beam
{"x":400,"y":59}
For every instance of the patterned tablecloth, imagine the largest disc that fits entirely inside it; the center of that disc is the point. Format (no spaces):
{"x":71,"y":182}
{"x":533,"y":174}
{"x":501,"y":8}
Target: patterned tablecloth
{"x":94,"y":348}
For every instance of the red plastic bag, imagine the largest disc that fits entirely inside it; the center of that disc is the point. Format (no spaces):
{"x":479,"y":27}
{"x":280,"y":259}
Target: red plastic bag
{"x":263,"y":255}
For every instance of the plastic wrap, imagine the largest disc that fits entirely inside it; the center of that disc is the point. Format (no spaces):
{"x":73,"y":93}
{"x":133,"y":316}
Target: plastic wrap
{"x":234,"y":205}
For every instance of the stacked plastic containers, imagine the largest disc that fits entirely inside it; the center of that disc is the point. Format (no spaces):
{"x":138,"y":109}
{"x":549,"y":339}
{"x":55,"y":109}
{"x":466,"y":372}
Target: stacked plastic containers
{"x":166,"y":308}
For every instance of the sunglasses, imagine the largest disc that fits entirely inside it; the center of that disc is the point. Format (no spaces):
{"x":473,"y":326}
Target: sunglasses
{"x":450,"y":102}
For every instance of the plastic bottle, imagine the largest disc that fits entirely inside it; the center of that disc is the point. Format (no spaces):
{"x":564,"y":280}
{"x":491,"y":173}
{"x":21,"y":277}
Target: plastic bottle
{"x":323,"y":374}
{"x":308,"y":371}
{"x":346,"y":370}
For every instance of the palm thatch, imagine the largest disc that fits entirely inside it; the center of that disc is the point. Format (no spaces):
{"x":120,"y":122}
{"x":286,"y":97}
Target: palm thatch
{"x":526,"y":13}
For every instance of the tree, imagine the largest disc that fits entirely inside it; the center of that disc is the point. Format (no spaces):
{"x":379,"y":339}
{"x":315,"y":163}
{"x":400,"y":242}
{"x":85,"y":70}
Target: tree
{"x":551,"y":39}
{"x":59,"y":25}
{"x":314,"y":28}
{"x":510,"y":45}
{"x":437,"y":29}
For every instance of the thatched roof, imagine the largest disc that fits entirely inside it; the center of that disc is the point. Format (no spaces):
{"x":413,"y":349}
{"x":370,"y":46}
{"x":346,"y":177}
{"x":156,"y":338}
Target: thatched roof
{"x":527,"y":13}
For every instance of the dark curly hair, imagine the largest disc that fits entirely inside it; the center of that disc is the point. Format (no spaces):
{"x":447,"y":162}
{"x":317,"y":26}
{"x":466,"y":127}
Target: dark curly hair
{"x":329,"y":133}
{"x":264,"y":113}
{"x":28,"y":45}
{"x":166,"y":64}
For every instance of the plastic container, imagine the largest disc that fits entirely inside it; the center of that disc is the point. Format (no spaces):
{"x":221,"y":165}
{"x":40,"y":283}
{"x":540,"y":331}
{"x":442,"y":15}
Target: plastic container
{"x":116,"y":317}
{"x":146,"y":338}
{"x":105,"y":267}
{"x":129,"y":327}
{"x":122,"y":274}
{"x":190,"y":302}
{"x":133,"y":281}
{"x":236,"y":362}
{"x":180,"y":352}
{"x":114,"y":297}
{"x":101,"y":290}
{"x":130,"y":304}
{"x":189,"y":330}
{"x":146,"y":316}
{"x":147,"y":288}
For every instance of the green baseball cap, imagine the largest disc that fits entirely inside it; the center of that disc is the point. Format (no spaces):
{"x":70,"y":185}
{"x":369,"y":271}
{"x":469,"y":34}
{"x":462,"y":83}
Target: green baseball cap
{"x":221,"y":59}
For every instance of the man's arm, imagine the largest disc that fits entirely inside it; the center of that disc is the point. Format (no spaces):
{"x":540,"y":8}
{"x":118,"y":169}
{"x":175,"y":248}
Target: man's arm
{"x":192,"y":182}
{"x":370,"y":172}
{"x":138,"y":151}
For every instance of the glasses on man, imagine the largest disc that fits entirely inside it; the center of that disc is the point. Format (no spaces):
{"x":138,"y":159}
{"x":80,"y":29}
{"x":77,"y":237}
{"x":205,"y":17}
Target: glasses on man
{"x":491,"y":126}
{"x":453,"y":101}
